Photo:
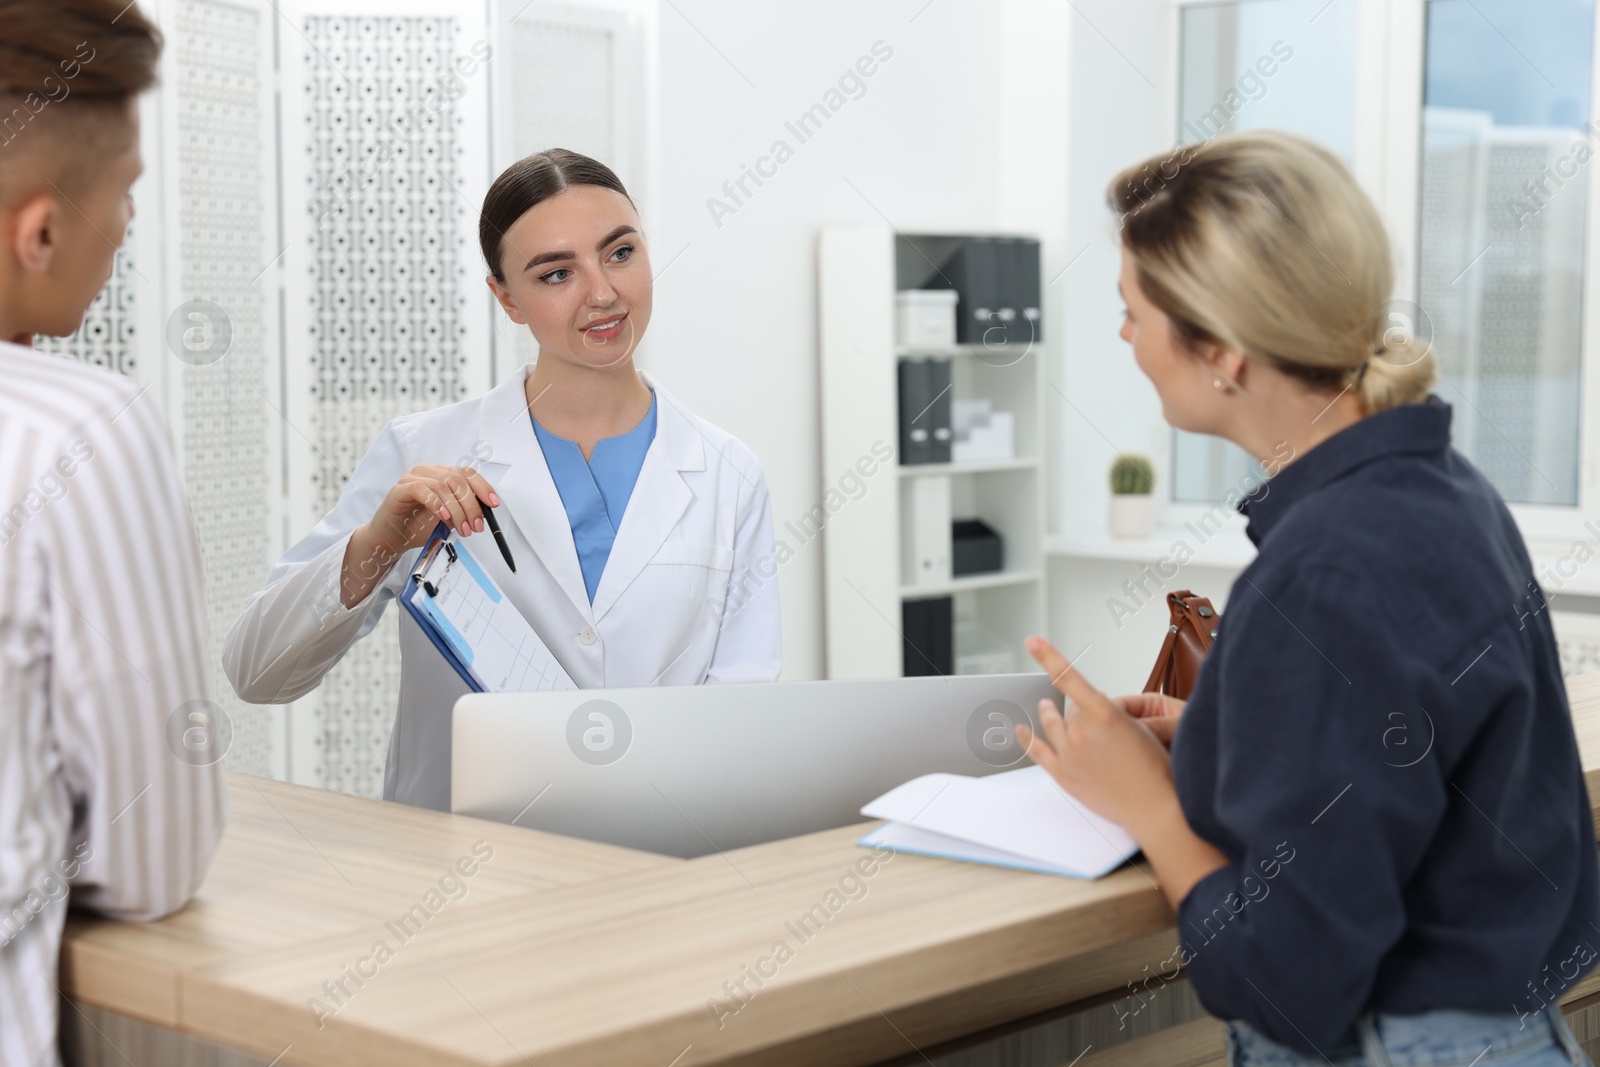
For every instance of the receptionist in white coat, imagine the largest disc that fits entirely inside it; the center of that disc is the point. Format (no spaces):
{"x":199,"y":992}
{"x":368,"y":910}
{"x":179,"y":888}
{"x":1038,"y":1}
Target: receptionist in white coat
{"x":642,"y":534}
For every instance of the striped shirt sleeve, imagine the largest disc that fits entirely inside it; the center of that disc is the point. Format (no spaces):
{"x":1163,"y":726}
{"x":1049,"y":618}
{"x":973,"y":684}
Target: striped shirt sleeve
{"x":131,"y":692}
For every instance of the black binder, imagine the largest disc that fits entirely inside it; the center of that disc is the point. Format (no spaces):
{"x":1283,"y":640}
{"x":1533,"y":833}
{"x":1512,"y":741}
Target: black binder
{"x":940,"y":416}
{"x":974,"y":273}
{"x":916,"y":433}
{"x":928,"y":630}
{"x":927,"y":432}
{"x":1019,"y":279}
{"x":1000,"y":296}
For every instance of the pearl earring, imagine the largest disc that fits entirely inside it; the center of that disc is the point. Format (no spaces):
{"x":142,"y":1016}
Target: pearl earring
{"x":1216,"y":383}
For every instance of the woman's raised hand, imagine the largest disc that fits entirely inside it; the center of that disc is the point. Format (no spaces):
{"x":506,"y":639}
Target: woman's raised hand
{"x":423,"y":497}
{"x":1098,"y":750}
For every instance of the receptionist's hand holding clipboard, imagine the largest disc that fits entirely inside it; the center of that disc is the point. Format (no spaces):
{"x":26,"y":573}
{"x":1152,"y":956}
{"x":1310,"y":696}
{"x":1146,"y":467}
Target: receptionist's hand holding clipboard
{"x":421,"y":500}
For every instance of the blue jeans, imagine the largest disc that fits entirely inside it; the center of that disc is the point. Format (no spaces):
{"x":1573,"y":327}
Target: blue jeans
{"x":1432,"y":1039}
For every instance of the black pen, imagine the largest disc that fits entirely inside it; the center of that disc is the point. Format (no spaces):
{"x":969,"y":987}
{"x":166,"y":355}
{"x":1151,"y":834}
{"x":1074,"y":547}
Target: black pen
{"x":499,"y":538}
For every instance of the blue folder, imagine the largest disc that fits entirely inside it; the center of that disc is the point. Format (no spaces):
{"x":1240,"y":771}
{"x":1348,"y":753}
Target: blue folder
{"x":426,"y":624}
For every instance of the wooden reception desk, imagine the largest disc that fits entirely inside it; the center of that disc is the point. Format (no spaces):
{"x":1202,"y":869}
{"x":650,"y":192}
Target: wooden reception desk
{"x":333,"y":930}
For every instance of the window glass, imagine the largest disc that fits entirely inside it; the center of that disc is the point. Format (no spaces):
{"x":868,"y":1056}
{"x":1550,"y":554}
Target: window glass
{"x":1503,"y":207}
{"x":1259,"y":64}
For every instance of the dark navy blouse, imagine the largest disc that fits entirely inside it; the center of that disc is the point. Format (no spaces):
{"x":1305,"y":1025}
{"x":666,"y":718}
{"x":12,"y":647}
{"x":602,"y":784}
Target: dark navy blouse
{"x":1380,"y":743}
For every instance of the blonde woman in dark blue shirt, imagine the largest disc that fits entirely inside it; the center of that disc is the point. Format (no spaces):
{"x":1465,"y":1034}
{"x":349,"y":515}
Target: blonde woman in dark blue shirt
{"x":1372,"y":820}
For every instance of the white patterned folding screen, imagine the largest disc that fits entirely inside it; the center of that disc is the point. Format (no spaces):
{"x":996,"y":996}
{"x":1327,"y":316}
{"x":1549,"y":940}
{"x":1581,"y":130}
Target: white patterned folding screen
{"x":572,"y":80}
{"x":544,"y":115}
{"x":574,"y":77}
{"x":385,"y":213}
{"x":219,"y":163}
{"x":327,"y":205}
{"x":200,"y":234}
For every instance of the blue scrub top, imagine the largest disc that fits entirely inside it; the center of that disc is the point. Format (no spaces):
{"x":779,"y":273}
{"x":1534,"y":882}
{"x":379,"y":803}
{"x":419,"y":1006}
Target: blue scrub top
{"x":595,"y":492}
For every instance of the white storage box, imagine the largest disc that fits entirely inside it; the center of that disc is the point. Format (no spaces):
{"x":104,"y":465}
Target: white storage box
{"x":982,"y":435}
{"x":926,"y":318}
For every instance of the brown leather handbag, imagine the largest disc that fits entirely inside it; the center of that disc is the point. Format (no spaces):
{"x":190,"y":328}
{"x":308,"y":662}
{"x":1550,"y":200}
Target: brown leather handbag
{"x":1189,"y":637}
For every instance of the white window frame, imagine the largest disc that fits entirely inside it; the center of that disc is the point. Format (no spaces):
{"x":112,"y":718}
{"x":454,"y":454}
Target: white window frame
{"x":1388,"y":124}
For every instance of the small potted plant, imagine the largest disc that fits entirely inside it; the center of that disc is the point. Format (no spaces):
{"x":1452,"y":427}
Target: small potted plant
{"x":1133,"y":507}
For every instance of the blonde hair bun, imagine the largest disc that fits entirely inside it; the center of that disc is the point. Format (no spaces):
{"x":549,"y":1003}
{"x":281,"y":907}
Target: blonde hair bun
{"x":1263,"y":242}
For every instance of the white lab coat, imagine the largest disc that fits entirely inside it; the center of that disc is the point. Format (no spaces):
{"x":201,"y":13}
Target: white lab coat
{"x":689,"y":594}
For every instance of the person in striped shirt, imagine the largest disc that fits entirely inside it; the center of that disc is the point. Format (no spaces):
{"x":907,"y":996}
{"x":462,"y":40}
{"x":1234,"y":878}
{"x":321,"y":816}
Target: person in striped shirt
{"x":110,"y":785}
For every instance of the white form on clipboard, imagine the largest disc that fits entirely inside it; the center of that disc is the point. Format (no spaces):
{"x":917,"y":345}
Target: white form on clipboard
{"x":485,"y":631}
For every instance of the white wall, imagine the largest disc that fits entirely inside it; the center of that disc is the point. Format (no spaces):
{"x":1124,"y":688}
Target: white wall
{"x":734,"y":331}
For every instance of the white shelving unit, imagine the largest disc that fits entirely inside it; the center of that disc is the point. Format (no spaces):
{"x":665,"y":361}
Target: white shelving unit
{"x":866,"y":582}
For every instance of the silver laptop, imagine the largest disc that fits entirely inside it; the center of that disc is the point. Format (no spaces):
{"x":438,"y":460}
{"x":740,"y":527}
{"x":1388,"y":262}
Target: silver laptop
{"x":689,"y":770}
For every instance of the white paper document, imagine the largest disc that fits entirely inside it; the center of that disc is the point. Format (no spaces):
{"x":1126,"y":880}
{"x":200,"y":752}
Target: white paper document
{"x":1020,"y":819}
{"x":485,"y":631}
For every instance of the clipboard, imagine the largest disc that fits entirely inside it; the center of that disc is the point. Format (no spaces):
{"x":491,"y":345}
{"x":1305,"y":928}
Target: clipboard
{"x":426,"y":624}
{"x":467,"y":619}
